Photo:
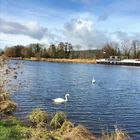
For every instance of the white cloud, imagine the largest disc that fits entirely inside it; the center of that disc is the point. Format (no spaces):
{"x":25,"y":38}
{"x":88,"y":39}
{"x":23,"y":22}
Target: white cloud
{"x":78,"y":31}
{"x":10,"y":39}
{"x":123,"y":36}
{"x":83,"y":32}
{"x":31,"y":29}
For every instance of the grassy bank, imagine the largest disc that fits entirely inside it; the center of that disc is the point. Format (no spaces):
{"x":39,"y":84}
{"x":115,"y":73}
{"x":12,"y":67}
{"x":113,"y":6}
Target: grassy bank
{"x":63,"y":60}
{"x":88,"y":61}
{"x":43,"y":126}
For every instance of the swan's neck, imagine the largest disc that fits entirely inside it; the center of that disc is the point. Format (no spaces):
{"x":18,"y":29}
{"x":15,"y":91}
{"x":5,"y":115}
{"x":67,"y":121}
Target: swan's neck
{"x":66,"y":98}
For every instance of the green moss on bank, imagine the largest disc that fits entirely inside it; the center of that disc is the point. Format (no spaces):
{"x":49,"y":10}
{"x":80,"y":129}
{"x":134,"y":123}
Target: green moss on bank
{"x":11,"y":129}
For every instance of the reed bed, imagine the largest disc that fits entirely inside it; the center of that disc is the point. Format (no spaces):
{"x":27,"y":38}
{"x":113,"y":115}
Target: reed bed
{"x":88,"y":61}
{"x":63,"y":60}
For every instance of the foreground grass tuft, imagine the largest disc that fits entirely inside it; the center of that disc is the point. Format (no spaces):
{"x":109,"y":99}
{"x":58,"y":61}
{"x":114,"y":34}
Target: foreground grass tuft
{"x":11,"y":129}
{"x":58,"y":119}
{"x":38,"y":118}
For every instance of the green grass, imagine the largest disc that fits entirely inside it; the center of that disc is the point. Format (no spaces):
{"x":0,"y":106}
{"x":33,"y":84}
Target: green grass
{"x":11,"y":130}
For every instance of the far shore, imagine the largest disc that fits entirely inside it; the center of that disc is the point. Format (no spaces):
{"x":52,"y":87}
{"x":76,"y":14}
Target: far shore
{"x":61,"y":60}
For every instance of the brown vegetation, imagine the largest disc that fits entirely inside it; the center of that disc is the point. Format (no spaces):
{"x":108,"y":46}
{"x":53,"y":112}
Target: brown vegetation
{"x":74,"y":133}
{"x":7,"y":73}
{"x":38,"y":118}
{"x":64,"y":60}
{"x":89,"y":61}
{"x":57,"y":120}
{"x":7,"y":106}
{"x":66,"y":130}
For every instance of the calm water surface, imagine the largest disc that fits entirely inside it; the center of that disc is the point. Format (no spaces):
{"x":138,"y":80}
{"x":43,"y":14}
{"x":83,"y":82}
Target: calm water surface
{"x":113,"y":100}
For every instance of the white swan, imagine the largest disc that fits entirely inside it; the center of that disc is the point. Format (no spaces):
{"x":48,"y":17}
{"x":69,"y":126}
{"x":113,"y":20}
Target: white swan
{"x":93,"y":81}
{"x":61,"y":100}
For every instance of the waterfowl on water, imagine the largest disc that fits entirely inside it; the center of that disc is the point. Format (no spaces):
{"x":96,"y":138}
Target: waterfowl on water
{"x":93,"y":81}
{"x":61,"y":100}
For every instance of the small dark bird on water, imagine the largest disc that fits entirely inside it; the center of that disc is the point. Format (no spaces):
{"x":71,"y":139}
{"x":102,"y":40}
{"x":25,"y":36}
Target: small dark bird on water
{"x":15,"y":76}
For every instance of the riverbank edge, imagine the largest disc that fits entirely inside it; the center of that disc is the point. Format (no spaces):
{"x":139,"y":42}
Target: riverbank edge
{"x":59,"y":60}
{"x":80,"y":61}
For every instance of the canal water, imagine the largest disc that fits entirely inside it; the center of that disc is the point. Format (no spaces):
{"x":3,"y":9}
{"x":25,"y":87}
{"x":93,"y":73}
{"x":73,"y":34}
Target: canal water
{"x":113,"y":100}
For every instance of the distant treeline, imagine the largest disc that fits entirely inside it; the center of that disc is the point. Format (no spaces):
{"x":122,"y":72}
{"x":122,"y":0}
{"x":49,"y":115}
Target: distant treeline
{"x":61,"y":50}
{"x":67,"y":50}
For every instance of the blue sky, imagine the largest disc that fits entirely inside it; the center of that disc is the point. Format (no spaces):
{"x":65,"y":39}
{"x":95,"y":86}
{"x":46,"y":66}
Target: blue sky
{"x":89,"y":23}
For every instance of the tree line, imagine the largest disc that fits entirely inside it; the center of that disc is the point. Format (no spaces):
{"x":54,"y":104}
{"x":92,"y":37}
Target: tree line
{"x":62,"y":50}
{"x":67,"y":50}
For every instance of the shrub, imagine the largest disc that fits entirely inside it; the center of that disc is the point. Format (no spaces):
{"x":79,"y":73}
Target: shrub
{"x":58,"y":120}
{"x":7,"y":106}
{"x":67,"y":126}
{"x":118,"y":134}
{"x":79,"y":133}
{"x":38,"y":117}
{"x":39,"y":134}
{"x":4,"y":96}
